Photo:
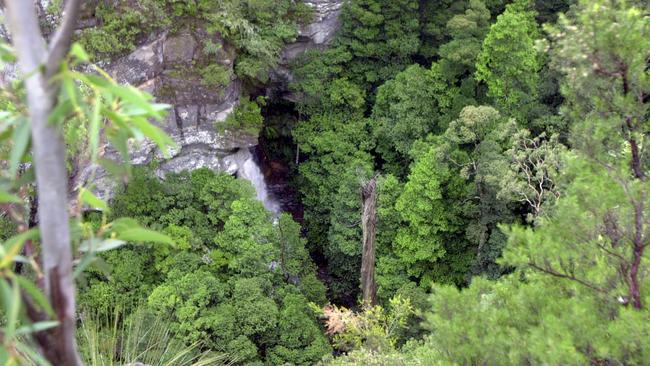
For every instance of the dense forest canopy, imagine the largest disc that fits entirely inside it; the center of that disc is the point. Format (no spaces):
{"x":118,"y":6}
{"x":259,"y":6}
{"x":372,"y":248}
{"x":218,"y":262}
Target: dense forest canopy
{"x":453,"y":183}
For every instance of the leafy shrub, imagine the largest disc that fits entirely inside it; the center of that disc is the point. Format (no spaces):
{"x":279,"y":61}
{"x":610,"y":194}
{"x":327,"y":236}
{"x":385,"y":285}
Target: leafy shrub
{"x":232,"y":280}
{"x":214,"y":75}
{"x":141,"y":338}
{"x":121,"y":25}
{"x":246,"y":117}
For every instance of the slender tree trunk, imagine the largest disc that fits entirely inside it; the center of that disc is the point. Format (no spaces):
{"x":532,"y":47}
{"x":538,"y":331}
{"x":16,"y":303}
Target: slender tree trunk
{"x":39,"y":64}
{"x":637,"y":255}
{"x":368,"y":224}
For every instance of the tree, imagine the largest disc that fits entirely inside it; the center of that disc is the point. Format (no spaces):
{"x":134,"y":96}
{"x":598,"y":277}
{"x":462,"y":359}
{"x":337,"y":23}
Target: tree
{"x":122,"y":111}
{"x":606,"y":89}
{"x":225,"y":284}
{"x":474,"y":146}
{"x":428,"y":244}
{"x":415,"y":103}
{"x":338,"y":161}
{"x":368,"y":255}
{"x":466,"y":30}
{"x":508,"y":62}
{"x":381,"y":36}
{"x":49,"y":155}
{"x":534,"y":165}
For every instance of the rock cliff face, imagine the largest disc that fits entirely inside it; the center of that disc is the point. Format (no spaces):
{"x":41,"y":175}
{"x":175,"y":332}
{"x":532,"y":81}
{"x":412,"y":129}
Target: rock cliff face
{"x":157,"y":66}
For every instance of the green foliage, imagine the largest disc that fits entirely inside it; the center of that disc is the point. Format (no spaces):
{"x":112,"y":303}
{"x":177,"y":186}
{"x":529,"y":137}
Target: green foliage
{"x":377,"y":39}
{"x":411,"y":106}
{"x":140,"y":338}
{"x":381,"y":36}
{"x":430,"y":224}
{"x":466,"y":32}
{"x":579,"y":293}
{"x":508,"y":62}
{"x":339,"y":161}
{"x":246,"y":117}
{"x":256,"y":29}
{"x":221,"y":285}
{"x":452,"y":177}
{"x":374,"y":328}
{"x":534,"y":165}
{"x":7,"y":228}
{"x":215,"y":75}
{"x":85,"y":105}
{"x":122,"y":25}
{"x":301,"y":340}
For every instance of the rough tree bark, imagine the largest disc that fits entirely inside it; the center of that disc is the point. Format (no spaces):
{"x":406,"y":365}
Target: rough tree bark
{"x":368,"y":224}
{"x":39,"y":63}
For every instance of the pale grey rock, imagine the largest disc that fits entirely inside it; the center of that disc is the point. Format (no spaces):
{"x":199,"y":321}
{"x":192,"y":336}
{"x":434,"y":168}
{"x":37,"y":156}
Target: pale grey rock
{"x":157,"y":65}
{"x":140,"y":66}
{"x":325,"y":22}
{"x":320,"y":32}
{"x":316,"y":35}
{"x":179,"y":48}
{"x":192,"y":158}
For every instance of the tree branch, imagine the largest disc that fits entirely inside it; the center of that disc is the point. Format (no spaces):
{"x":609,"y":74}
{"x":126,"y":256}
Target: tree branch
{"x":62,"y":38}
{"x":568,"y":277}
{"x":22,"y":21}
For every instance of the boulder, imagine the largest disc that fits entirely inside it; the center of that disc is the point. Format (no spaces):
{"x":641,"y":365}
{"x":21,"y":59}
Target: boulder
{"x":141,"y":65}
{"x":179,"y":48}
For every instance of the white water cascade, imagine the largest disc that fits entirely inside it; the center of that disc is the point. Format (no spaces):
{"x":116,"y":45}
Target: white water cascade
{"x":245,"y":166}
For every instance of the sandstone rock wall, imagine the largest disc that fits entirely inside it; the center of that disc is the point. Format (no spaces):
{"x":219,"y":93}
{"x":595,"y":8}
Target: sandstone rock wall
{"x":158,"y":66}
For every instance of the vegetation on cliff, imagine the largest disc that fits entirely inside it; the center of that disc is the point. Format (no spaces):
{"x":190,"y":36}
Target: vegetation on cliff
{"x":508,"y":141}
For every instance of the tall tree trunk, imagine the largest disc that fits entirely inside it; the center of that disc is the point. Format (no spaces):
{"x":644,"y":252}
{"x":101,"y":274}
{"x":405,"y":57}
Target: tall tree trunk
{"x":638,"y":248}
{"x":39,"y":64}
{"x":368,"y":224}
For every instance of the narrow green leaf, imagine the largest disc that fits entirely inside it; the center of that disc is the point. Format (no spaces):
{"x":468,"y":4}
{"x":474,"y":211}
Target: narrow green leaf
{"x":124,"y":223}
{"x":98,"y":245}
{"x":7,"y":53}
{"x":86,"y":261}
{"x":20,"y":138}
{"x":71,"y":90}
{"x":5,"y":294}
{"x":132,"y":95}
{"x":36,"y":327}
{"x":94,"y":80}
{"x":93,"y":201}
{"x":12,"y":313}
{"x":32,"y":355}
{"x":13,"y":246}
{"x":120,"y":144}
{"x":95,"y":121}
{"x":159,"y":108}
{"x":154,"y":133}
{"x":100,"y":264}
{"x":62,"y":110}
{"x":144,"y":235}
{"x":36,"y":294}
{"x":77,"y":51}
{"x":115,"y":169}
{"x":6,"y":197}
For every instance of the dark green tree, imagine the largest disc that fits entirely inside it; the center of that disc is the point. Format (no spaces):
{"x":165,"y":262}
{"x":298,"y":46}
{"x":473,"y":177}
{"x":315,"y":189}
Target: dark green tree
{"x":509,"y":63}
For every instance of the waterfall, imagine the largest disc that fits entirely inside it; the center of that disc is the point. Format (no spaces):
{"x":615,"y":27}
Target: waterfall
{"x":247,"y":168}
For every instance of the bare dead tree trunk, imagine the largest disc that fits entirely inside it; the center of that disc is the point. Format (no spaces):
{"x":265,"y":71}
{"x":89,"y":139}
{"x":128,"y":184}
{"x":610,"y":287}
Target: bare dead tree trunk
{"x":39,"y":64}
{"x":368,"y":225}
